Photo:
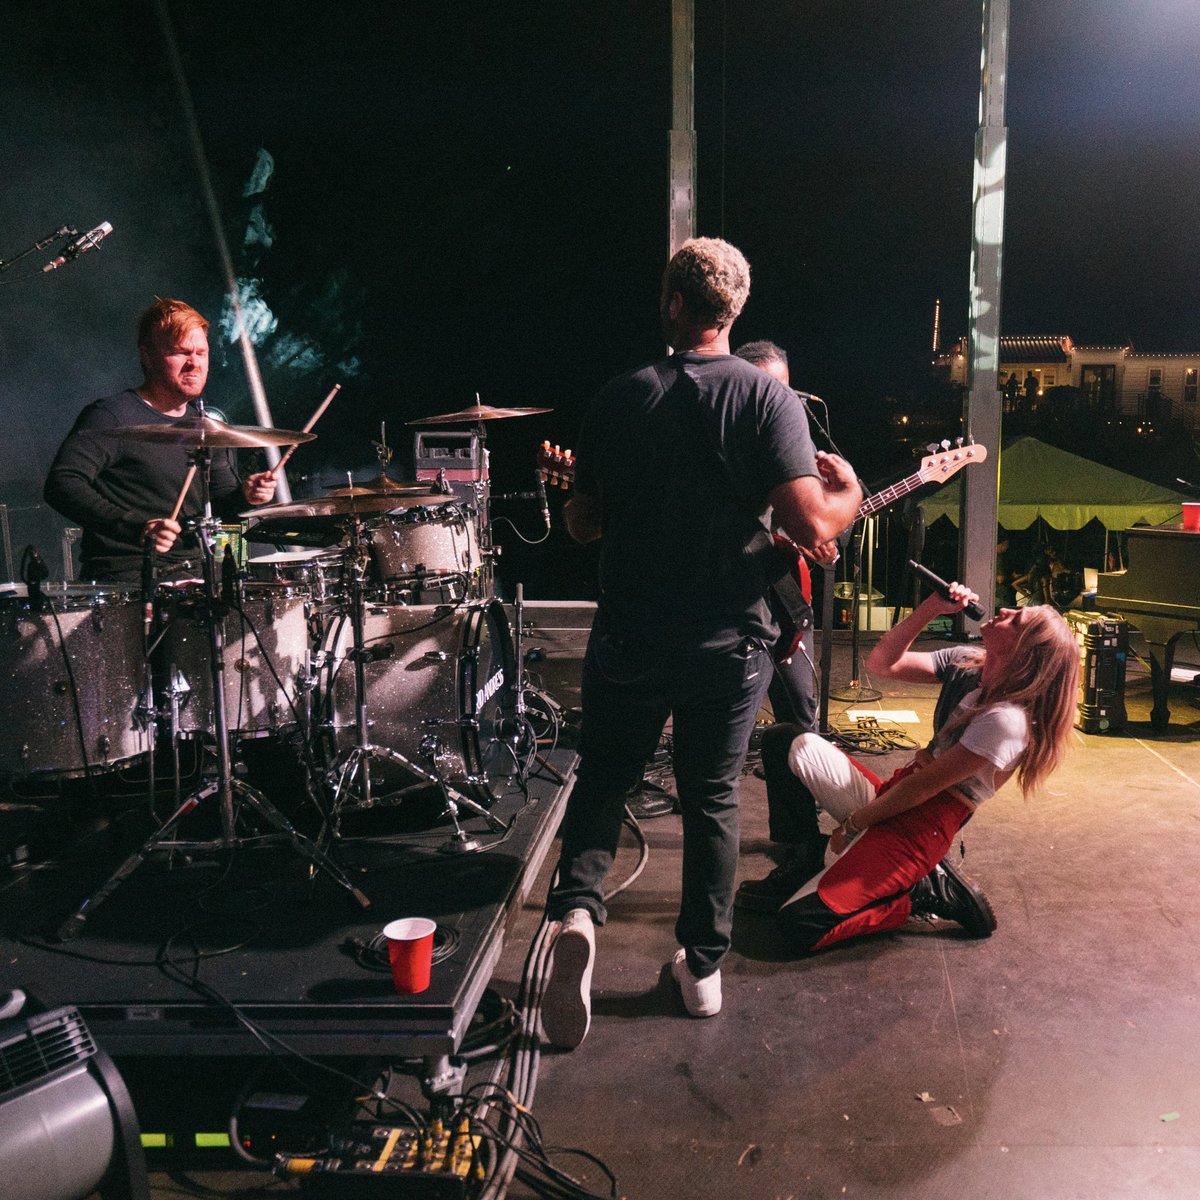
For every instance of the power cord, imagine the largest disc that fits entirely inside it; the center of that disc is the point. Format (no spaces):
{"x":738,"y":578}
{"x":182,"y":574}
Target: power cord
{"x":868,"y":735}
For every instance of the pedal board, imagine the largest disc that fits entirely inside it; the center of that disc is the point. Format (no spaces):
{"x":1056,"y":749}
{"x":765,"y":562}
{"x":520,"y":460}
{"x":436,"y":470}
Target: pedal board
{"x":391,"y":1161}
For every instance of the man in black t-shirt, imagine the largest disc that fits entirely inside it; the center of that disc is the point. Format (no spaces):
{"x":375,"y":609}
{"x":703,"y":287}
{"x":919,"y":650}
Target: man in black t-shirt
{"x":120,"y":489}
{"x":678,"y":466}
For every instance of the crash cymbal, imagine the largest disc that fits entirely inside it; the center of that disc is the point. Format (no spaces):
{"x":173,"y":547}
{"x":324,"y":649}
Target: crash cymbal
{"x":195,"y":432}
{"x":477,"y":412}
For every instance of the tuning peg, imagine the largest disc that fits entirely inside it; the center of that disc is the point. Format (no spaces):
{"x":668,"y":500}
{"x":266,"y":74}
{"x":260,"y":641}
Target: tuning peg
{"x":932,"y":447}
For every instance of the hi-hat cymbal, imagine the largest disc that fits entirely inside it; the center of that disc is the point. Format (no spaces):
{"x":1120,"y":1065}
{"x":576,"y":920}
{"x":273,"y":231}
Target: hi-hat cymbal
{"x":337,"y":506}
{"x":477,"y":412}
{"x":381,"y":485}
{"x":197,"y":432}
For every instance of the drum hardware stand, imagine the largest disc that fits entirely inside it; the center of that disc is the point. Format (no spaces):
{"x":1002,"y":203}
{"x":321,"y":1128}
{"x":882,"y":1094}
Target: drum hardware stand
{"x":225,"y":786}
{"x":520,"y":709}
{"x":356,"y":762}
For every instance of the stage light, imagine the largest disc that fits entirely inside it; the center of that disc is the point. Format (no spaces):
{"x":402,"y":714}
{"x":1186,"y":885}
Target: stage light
{"x":67,"y":1125}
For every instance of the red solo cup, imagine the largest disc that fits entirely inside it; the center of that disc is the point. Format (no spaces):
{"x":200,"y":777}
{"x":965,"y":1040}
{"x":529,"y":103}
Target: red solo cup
{"x":410,"y":951}
{"x":1191,"y":515}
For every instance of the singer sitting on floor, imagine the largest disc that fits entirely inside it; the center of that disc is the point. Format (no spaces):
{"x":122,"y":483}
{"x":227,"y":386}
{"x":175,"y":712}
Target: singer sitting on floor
{"x":121,"y":490}
{"x":892,"y":836}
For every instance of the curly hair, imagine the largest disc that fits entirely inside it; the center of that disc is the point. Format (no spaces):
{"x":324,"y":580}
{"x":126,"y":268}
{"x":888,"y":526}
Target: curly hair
{"x":713,"y":277}
{"x":173,"y":317}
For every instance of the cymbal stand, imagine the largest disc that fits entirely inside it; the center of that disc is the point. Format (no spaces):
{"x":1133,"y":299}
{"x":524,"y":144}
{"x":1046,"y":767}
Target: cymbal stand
{"x":354,"y":767}
{"x":225,"y":786}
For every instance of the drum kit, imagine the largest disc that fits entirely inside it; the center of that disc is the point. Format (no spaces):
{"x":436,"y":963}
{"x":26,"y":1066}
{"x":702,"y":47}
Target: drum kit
{"x":380,"y":642}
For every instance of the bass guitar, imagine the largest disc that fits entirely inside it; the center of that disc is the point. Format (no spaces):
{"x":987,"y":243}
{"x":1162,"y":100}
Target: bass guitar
{"x":794,"y":590}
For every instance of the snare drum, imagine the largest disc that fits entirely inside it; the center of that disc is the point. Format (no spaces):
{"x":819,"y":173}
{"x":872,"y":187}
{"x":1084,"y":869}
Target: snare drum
{"x":318,"y":572}
{"x":438,"y":697}
{"x":426,"y":546}
{"x":266,"y":657}
{"x":99,"y":634}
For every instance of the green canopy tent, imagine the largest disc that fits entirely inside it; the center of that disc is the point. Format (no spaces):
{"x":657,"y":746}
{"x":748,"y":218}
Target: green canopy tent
{"x":1039,"y":482}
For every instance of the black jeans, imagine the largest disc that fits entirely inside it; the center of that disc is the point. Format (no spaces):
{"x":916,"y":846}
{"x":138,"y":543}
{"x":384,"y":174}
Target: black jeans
{"x":629,"y":690}
{"x":791,"y":807}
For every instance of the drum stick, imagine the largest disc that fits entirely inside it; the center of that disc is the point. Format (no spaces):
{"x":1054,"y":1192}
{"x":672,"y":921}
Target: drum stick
{"x":337,"y":387}
{"x":187,"y":483}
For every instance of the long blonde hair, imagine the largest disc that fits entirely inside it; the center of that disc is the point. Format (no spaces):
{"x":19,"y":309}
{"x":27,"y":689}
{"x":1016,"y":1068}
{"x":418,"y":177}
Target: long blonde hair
{"x":1042,"y":677}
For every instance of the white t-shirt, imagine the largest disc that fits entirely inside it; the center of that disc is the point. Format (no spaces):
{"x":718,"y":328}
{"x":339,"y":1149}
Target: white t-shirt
{"x":997,"y":732}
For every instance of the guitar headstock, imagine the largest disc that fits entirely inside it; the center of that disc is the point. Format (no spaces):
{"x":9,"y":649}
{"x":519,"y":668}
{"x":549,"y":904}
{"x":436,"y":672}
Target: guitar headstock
{"x":948,"y":458}
{"x":555,"y":466}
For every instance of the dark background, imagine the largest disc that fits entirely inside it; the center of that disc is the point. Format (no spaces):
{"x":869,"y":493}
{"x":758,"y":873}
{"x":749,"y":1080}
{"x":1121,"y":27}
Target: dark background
{"x":471,"y":198}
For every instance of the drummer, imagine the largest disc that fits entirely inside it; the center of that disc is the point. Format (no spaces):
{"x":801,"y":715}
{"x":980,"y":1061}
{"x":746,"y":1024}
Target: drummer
{"x":122,"y":490}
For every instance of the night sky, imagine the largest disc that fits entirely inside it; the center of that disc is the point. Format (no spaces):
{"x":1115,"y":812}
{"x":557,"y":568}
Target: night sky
{"x":472,"y":198}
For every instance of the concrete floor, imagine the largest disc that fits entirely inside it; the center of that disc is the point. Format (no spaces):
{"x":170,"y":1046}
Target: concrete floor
{"x":1058,"y":1059}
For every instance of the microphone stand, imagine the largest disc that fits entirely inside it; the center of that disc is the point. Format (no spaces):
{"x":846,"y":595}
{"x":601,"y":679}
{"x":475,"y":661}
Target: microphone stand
{"x":224,"y":786}
{"x":41,"y":244}
{"x":855,"y":691}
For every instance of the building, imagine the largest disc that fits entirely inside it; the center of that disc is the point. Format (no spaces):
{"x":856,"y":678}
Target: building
{"x":1119,"y":381}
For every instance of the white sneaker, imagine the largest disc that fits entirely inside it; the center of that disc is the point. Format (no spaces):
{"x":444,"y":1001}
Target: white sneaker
{"x":567,"y":1000}
{"x":701,"y":997}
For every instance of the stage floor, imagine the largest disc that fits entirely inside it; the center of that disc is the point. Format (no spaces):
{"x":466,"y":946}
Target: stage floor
{"x":159,"y":963}
{"x":1058,"y":1058}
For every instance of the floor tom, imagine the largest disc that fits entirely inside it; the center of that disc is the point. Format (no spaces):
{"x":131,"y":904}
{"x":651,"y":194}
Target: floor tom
{"x":439,"y":695}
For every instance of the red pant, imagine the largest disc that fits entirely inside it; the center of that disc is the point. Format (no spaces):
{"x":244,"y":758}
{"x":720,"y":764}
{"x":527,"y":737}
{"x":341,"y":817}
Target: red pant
{"x":866,"y":889}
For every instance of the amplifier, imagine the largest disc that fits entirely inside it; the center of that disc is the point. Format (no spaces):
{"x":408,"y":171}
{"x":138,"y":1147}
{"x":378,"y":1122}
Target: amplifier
{"x":1103,"y":649}
{"x":460,"y":455}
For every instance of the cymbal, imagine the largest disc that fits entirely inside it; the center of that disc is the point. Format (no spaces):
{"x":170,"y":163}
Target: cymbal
{"x":477,"y":412}
{"x":337,"y":506}
{"x":381,"y":485}
{"x":195,"y":432}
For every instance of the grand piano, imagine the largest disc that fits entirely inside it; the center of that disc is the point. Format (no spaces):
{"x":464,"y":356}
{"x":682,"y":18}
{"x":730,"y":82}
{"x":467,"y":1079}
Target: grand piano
{"x":1159,"y":592}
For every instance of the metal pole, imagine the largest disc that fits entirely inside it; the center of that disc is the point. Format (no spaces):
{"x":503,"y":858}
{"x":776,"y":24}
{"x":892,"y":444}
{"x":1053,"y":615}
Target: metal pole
{"x":981,"y":418}
{"x":258,"y":392}
{"x":682,"y":199}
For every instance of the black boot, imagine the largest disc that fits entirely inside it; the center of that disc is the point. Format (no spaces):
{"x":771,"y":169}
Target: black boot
{"x":947,"y":893}
{"x":767,"y":895}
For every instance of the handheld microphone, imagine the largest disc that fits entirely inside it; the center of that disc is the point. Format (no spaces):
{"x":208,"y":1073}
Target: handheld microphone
{"x":938,"y":584}
{"x":541,"y":494}
{"x":807,"y":396}
{"x":148,"y":555}
{"x":80,"y":245}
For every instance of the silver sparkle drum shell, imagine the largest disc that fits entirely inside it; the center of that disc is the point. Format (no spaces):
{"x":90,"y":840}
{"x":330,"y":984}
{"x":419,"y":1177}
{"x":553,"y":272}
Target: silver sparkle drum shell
{"x":438,"y":698}
{"x":420,"y":540}
{"x":266,"y":654}
{"x":88,"y":649}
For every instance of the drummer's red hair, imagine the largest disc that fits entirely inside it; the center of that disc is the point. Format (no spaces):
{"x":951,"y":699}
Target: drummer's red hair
{"x":172,"y":317}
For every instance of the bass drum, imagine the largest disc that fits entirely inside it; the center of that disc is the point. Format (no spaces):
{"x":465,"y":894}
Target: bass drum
{"x":437,"y":696}
{"x":72,"y":680}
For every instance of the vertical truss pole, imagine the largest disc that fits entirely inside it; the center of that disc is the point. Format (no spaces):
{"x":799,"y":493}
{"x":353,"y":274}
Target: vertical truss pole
{"x":977,"y":543}
{"x":682,"y":217}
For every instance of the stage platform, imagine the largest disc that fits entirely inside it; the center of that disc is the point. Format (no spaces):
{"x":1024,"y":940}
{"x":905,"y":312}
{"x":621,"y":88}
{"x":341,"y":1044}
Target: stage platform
{"x":161,"y":963}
